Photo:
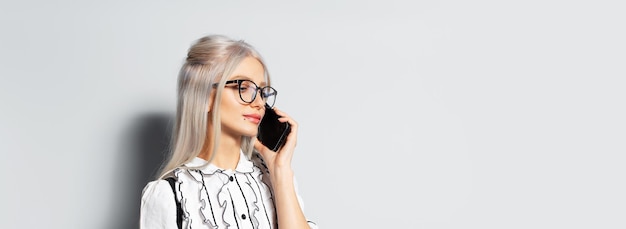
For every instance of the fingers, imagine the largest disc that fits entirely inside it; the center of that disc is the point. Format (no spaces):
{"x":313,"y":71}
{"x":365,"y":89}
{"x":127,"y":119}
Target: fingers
{"x":284,"y":115}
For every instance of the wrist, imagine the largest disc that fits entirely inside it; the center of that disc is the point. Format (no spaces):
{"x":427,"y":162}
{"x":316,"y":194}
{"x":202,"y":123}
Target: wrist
{"x":282,"y":177}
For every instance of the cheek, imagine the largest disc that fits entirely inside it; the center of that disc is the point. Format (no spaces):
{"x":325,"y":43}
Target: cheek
{"x":230,"y":107}
{"x":230,"y":98}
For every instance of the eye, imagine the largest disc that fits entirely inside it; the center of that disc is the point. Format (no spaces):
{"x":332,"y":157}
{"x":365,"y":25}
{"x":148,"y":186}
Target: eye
{"x":243,"y":88}
{"x":246,"y":86}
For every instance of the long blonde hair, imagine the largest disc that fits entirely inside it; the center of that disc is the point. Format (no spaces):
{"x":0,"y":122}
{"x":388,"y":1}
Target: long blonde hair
{"x":210,"y":60}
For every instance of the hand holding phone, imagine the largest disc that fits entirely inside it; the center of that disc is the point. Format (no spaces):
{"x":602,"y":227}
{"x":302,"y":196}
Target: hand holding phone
{"x":272,"y":133}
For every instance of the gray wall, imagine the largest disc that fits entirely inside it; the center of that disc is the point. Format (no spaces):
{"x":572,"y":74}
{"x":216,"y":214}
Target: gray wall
{"x":430,"y":114}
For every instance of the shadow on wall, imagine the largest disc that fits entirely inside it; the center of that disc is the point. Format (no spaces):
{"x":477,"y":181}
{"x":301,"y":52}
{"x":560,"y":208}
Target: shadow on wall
{"x":144,"y":149}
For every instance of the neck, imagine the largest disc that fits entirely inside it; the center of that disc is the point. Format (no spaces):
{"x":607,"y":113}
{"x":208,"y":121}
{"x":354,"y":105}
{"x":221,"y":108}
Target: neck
{"x":227,"y":152}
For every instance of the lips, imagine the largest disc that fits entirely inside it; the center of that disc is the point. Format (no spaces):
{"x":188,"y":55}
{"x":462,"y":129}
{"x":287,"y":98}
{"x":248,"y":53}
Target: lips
{"x":253,"y":117}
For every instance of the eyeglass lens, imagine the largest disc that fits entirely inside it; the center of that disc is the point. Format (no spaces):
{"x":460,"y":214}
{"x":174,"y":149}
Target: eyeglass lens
{"x":248,"y":92}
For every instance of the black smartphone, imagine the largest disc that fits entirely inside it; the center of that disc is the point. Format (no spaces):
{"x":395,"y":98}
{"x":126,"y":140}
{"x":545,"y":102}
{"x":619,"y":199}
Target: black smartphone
{"x":272,"y":133}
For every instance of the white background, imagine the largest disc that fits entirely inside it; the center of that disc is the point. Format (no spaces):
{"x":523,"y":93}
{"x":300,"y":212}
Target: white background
{"x":413,"y":114}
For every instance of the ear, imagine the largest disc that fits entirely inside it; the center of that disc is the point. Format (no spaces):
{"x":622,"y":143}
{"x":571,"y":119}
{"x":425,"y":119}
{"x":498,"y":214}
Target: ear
{"x":209,"y":106}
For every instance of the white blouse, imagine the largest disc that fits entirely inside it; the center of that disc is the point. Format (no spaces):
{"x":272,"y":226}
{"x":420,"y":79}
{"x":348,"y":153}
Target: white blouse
{"x":211,"y":197}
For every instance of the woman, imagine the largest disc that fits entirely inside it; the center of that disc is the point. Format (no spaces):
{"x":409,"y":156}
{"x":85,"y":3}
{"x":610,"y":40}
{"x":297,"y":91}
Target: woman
{"x":218,"y":175}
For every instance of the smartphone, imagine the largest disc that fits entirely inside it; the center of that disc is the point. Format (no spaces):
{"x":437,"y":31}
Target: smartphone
{"x":272,"y":133}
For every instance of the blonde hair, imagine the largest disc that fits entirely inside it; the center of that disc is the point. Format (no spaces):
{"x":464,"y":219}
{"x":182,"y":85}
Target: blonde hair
{"x":210,"y":60}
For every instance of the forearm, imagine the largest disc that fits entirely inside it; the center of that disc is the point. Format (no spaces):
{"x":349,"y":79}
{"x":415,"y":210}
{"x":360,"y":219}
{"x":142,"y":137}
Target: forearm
{"x":288,"y":207}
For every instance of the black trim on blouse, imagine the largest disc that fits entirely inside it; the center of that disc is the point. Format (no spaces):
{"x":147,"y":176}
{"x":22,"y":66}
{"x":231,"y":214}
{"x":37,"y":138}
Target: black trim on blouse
{"x":179,"y":209}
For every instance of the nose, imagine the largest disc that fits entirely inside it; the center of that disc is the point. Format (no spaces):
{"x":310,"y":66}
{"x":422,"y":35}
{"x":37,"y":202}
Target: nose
{"x":258,"y":99}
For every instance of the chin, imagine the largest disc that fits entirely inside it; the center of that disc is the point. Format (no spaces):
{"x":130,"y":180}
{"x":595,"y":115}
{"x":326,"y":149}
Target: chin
{"x":250,"y":133}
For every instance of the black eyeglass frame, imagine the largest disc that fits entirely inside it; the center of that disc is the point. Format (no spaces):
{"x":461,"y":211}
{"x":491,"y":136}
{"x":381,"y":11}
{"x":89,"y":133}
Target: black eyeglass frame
{"x":256,"y":92}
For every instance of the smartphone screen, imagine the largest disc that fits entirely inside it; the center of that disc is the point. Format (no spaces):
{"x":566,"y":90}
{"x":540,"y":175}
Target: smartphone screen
{"x":272,"y":133}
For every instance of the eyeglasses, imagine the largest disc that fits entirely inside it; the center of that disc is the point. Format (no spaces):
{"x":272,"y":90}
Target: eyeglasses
{"x":248,"y":91}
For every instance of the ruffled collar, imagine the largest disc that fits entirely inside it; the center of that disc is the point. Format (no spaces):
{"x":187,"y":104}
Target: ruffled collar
{"x":243,"y":166}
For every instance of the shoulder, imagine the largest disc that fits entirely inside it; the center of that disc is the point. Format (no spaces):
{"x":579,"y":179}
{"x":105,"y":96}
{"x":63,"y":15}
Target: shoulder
{"x":157,"y":205}
{"x":156,"y":192}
